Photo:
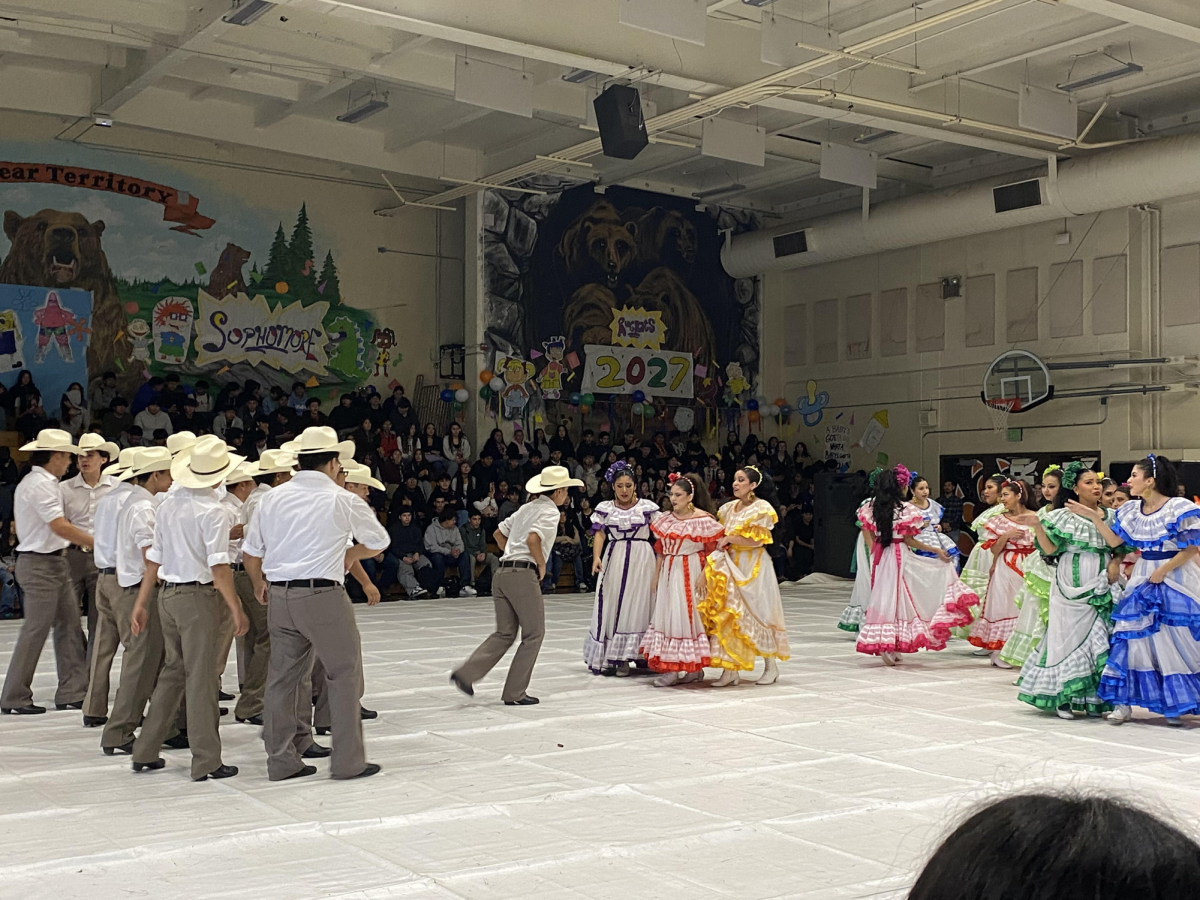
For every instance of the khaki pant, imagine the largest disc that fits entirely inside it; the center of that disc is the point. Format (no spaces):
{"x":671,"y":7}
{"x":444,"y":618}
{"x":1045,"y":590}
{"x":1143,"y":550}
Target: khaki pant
{"x":103,"y":642}
{"x":257,"y":651}
{"x":518,"y":598}
{"x":82,"y":568}
{"x":50,"y":605}
{"x":304,"y":622}
{"x":141,"y":660}
{"x":192,"y":624}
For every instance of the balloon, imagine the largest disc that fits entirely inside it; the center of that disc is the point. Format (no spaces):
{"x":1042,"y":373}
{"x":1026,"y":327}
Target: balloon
{"x":752,"y":405}
{"x":754,"y":415}
{"x":779,"y":401}
{"x":485,"y":393}
{"x":589,"y":399}
{"x":773,"y":409}
{"x":457,"y":406}
{"x":785,"y":410}
{"x":637,"y":408}
{"x":585,"y":409}
{"x":639,"y":397}
{"x":455,"y":385}
{"x":462,"y":395}
{"x":447,"y":395}
{"x":576,"y":398}
{"x":496,"y":384}
{"x":486,"y":375}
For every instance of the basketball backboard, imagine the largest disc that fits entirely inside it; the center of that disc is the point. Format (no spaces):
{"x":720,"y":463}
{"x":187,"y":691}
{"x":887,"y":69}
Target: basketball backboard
{"x":1018,"y":380}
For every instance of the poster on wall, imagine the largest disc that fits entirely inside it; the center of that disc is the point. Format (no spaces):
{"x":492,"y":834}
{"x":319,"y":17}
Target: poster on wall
{"x":837,"y":446}
{"x":45,"y":330}
{"x":623,"y":370}
{"x":237,"y":329}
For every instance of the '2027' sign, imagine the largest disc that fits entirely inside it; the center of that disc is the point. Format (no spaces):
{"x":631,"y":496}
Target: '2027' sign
{"x":625,"y":370}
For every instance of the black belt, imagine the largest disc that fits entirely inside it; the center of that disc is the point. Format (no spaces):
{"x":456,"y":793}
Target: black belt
{"x":108,"y":570}
{"x":182,"y":584}
{"x":62,"y":552}
{"x":305,"y":583}
{"x":518,"y":564}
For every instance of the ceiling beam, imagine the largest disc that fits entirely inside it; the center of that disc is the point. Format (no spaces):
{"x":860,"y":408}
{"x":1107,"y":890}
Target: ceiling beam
{"x":1124,"y":13}
{"x":432,"y":127}
{"x":311,"y":98}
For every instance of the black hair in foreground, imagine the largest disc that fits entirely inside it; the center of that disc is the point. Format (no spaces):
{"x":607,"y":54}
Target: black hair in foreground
{"x":1162,"y":470}
{"x":312,"y":461}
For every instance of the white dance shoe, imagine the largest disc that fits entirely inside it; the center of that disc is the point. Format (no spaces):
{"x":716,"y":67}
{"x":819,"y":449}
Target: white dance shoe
{"x":1120,"y":714}
{"x":668,"y":679}
{"x":728,"y":677}
{"x":770,"y":674}
{"x":998,"y":662}
{"x":888,"y":658}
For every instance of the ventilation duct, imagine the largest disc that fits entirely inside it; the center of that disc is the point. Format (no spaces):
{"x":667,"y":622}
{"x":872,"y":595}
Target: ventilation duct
{"x":1146,"y":172}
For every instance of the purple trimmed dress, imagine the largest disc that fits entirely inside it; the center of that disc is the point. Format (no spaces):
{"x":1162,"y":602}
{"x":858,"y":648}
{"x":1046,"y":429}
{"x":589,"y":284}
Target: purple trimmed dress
{"x":625,"y":586}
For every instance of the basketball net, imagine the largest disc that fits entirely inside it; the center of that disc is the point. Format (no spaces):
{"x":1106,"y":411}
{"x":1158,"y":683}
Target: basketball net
{"x":999,"y":411}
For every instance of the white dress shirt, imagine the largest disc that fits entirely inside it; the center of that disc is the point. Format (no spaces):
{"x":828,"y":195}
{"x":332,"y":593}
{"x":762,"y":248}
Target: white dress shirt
{"x":105,"y":524}
{"x":251,"y":505}
{"x":80,"y":499}
{"x":541,"y":516}
{"x":237,"y":516}
{"x":36,"y":503}
{"x":302,"y":529}
{"x":135,"y":532}
{"x":191,"y":535}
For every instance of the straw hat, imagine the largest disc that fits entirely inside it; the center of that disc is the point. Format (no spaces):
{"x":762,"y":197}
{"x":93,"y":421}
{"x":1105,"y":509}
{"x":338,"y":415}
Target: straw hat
{"x":245,"y":472}
{"x":357,"y":473}
{"x":147,"y":460}
{"x":180,"y":441}
{"x":124,"y":461}
{"x":52,"y":440}
{"x":320,"y":439}
{"x":206,"y":464}
{"x":551,"y":479}
{"x":92,"y":441}
{"x":271,"y":462}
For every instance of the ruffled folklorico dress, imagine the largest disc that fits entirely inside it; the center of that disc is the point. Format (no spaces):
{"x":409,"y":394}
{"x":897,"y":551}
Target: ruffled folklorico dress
{"x":1034,"y":602}
{"x":625,"y":586}
{"x":978,"y":566}
{"x":675,"y":640}
{"x":743,"y":612}
{"x":998,"y":616}
{"x":1154,"y":661}
{"x":1064,"y":668}
{"x":913,"y":605}
{"x":852,"y":615}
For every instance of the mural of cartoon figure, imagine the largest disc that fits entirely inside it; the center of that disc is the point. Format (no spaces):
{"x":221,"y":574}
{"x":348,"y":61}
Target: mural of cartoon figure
{"x":551,"y":379}
{"x":11,"y":355}
{"x":139,"y":339}
{"x":52,"y":323}
{"x":227,"y":277}
{"x":516,"y":393}
{"x":384,"y":340}
{"x":735,"y":382}
{"x":172,"y":324}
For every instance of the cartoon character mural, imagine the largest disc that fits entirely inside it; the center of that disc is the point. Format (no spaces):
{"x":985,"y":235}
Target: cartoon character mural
{"x":515,"y":396}
{"x":139,"y":340}
{"x":12,"y":354}
{"x":551,"y":379}
{"x":52,"y":323}
{"x":172,"y":326}
{"x":384,"y":340}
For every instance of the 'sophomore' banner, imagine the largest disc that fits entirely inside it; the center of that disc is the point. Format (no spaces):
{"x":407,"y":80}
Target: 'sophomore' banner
{"x":239,"y":329}
{"x":624,"y":370}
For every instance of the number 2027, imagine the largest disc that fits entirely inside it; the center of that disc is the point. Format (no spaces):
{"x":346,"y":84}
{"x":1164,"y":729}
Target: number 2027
{"x":636,"y":369}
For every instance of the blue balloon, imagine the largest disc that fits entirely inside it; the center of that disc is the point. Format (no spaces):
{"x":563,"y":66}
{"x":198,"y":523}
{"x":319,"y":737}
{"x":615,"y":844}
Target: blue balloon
{"x":639,"y":397}
{"x":752,"y":404}
{"x":785,"y":410}
{"x":447,"y":396}
{"x":576,"y":398}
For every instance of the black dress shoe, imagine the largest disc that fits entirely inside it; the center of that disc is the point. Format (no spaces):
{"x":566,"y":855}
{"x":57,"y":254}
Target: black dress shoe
{"x":127,"y":749}
{"x":94,"y":721}
{"x":224,"y":711}
{"x":64,"y":706}
{"x":524,"y":701}
{"x":224,"y":696}
{"x":303,"y":773}
{"x":364,"y":713}
{"x":219,"y":772}
{"x":150,"y":766}
{"x":322,"y":730}
{"x":29,"y":710}
{"x":179,"y":742}
{"x":370,"y":770}
{"x":462,"y":684}
{"x":316,"y":751}
{"x":253,"y":720}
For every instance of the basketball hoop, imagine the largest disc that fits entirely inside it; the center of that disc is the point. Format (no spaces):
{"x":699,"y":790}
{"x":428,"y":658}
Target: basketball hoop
{"x":999,"y":411}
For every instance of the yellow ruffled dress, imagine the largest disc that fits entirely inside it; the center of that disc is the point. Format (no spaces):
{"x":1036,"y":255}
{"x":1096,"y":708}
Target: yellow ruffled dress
{"x":743,"y":612}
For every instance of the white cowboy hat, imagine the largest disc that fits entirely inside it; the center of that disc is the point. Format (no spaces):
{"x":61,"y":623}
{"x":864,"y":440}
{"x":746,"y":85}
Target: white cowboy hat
{"x":180,"y":441}
{"x":320,"y":439}
{"x":147,"y":460}
{"x":271,"y":462}
{"x":551,"y":479}
{"x":92,"y":441}
{"x":245,"y":472}
{"x":52,"y":440}
{"x":124,"y":461}
{"x":206,"y":464}
{"x":357,"y":473}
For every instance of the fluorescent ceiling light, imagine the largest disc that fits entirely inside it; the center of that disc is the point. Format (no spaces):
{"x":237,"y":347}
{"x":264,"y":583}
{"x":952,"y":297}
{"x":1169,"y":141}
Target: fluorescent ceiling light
{"x":873,"y":136}
{"x":247,"y":12}
{"x":1124,"y":69}
{"x":366,"y":108}
{"x":758,"y":3}
{"x":578,"y":76}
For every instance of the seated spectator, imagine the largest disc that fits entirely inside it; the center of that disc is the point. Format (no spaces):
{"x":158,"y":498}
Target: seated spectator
{"x":456,"y":449}
{"x":171,"y":397}
{"x":389,"y":406}
{"x":407,"y":548}
{"x":562,"y":442}
{"x":536,"y":462}
{"x":32,"y":418}
{"x":224,"y":420}
{"x":494,"y":446}
{"x":800,"y":551}
{"x":375,"y":411}
{"x":141,"y":398}
{"x":153,"y":417}
{"x":190,"y":419}
{"x":101,"y":392}
{"x":227,"y":396}
{"x":568,"y":547}
{"x":250,"y":411}
{"x":589,"y":473}
{"x":485,"y":469}
{"x":515,"y":469}
{"x":273,"y":400}
{"x":204,"y":400}
{"x":364,"y":439}
{"x":404,"y":416}
{"x":283,"y":426}
{"x":522,"y":446}
{"x":387,"y":442}
{"x":297,"y":399}
{"x":11,"y":597}
{"x":313,"y":417}
{"x":475,"y":542}
{"x":444,"y":545}
{"x":487,"y":506}
{"x":511,"y":503}
{"x":391,"y":471}
{"x":131,"y":437}
{"x":158,"y":437}
{"x":343,"y":418}
{"x":587,"y":445}
{"x":9,"y":473}
{"x":116,"y":419}
{"x":72,"y":412}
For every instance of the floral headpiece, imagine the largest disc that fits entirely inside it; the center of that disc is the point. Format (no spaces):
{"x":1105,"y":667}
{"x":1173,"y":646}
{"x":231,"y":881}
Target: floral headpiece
{"x":683,"y":481}
{"x":616,"y":470}
{"x":1070,"y":474}
{"x":1054,"y":469}
{"x":903,"y":476}
{"x":871,"y":479}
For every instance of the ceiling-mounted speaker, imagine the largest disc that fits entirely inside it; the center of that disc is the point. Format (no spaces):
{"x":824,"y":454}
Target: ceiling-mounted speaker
{"x":619,"y":118}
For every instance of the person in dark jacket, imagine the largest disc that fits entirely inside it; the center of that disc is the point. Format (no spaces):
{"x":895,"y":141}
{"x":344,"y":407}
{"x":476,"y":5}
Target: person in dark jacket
{"x":408,"y":547}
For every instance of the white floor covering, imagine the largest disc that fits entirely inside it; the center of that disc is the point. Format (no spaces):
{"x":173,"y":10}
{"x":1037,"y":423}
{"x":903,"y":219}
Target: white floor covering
{"x":834,"y":783}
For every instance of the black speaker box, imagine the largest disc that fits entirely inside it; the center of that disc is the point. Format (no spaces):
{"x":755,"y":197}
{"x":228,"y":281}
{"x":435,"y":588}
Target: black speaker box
{"x":835,"y":501}
{"x":619,"y":117}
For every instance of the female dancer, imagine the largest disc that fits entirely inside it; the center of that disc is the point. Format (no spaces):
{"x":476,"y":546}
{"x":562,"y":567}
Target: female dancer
{"x":1155,"y":657}
{"x":931,"y":512}
{"x":623,"y":563}
{"x":852,"y":615}
{"x":675,"y":643}
{"x":978,"y":567}
{"x":912,"y":605}
{"x":743,"y":612}
{"x":1034,"y":597}
{"x":1010,"y":543}
{"x":1063,"y":672}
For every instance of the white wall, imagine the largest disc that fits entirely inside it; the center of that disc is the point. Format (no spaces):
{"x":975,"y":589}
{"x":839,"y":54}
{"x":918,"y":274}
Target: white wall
{"x":949,"y":380}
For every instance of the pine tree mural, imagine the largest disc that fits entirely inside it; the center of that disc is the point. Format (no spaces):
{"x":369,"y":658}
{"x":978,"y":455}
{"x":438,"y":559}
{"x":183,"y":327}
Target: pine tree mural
{"x":300,"y":249}
{"x":277,"y":268}
{"x":329,"y":278}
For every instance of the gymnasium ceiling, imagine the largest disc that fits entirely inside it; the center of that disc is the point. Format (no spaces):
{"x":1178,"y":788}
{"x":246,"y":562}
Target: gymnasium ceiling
{"x":280,"y":82}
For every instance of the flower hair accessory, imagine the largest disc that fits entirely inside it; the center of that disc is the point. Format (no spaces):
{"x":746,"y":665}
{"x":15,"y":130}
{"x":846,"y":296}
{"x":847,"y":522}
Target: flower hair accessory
{"x":903,"y":476}
{"x":683,"y":481}
{"x":616,"y":470}
{"x":1054,"y":469}
{"x":871,"y":479}
{"x":1070,"y":474}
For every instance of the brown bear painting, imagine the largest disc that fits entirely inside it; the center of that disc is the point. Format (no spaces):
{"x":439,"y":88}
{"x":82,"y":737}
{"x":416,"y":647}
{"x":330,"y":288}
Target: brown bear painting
{"x":227,"y":276}
{"x":62,"y":249}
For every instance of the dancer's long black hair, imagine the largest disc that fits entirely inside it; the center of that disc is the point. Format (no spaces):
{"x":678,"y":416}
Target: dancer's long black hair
{"x":763,"y":486}
{"x":1162,"y":470}
{"x":889,"y":497}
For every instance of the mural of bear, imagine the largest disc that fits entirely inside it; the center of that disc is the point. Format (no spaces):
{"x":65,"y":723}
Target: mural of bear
{"x":227,"y":276}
